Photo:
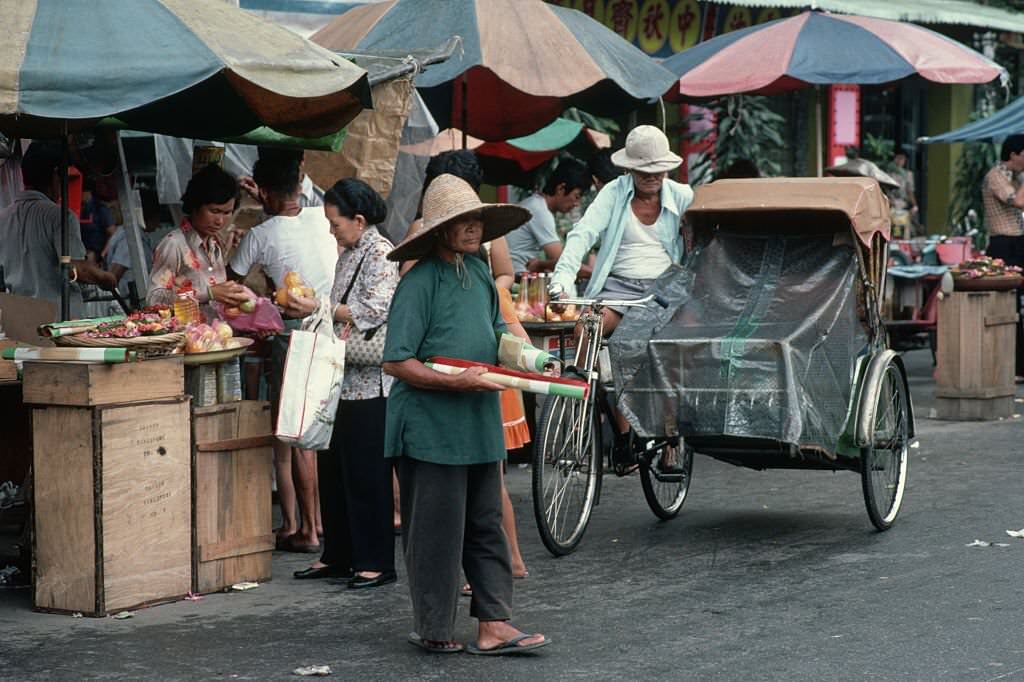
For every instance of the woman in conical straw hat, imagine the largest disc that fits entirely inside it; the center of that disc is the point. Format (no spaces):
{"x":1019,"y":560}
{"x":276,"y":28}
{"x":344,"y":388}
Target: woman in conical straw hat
{"x":446,"y":430}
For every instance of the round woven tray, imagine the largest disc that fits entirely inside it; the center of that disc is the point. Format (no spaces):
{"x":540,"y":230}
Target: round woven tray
{"x":144,"y":346}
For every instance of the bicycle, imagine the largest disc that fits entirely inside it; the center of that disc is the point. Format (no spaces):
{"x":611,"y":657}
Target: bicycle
{"x":568,"y":455}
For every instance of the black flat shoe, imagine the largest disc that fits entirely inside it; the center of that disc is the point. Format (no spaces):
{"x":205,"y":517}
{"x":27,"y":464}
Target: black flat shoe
{"x":322,"y":572}
{"x":359,"y":582}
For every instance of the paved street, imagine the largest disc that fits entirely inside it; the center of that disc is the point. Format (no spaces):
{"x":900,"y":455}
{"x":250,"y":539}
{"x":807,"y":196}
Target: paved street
{"x":764,"y":576}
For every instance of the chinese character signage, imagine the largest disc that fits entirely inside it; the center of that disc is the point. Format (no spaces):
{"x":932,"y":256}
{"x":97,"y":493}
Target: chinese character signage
{"x":662,"y":28}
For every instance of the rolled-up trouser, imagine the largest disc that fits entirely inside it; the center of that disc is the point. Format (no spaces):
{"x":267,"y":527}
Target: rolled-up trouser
{"x":451,"y":514}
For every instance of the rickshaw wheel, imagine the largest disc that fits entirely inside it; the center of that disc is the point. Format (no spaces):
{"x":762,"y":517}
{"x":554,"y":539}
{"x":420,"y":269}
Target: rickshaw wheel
{"x":566,"y":466}
{"x":884,"y":462}
{"x":665,"y":474}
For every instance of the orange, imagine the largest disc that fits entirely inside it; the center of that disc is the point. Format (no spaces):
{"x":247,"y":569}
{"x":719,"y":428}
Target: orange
{"x":293,"y":279}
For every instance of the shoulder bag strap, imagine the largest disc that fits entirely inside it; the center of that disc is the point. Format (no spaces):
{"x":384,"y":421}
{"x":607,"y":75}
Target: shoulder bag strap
{"x":352,"y":282}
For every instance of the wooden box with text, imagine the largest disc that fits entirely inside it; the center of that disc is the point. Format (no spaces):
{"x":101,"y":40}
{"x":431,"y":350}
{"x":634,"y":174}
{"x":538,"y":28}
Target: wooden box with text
{"x":233,"y":459}
{"x":112,"y":502}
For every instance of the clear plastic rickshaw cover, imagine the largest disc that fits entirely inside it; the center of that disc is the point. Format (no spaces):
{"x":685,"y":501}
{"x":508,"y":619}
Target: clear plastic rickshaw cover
{"x":759,"y":339}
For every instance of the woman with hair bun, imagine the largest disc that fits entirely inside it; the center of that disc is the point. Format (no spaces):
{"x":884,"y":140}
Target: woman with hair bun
{"x":355,"y":479}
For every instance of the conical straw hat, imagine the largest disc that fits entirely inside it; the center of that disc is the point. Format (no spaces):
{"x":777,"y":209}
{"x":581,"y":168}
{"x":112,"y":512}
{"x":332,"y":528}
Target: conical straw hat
{"x":447,"y":198}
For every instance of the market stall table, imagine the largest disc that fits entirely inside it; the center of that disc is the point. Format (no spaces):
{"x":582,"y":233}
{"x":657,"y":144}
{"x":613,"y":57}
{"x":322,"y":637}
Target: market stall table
{"x":976,"y":353}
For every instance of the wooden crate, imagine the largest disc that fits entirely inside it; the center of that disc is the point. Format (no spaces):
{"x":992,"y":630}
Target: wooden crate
{"x":89,"y":384}
{"x":233,"y":457}
{"x":112,"y":506}
{"x":976,"y":355}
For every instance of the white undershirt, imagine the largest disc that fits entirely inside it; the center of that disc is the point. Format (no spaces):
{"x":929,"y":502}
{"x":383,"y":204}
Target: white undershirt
{"x":641,"y":255}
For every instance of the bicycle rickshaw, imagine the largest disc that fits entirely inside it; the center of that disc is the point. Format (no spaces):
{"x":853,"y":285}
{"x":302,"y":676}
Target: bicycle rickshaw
{"x":764,"y":349}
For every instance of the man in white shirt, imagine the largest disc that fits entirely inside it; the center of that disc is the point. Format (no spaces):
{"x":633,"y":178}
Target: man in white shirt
{"x":536,"y":246}
{"x":292,"y":239}
{"x":309,"y":194}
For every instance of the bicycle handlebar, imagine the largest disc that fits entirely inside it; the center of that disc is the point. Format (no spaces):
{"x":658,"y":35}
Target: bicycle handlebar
{"x":635,"y":303}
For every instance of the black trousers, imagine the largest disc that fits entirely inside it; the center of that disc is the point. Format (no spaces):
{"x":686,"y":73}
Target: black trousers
{"x":355,"y":490}
{"x":451,"y":515}
{"x":1011,"y":250}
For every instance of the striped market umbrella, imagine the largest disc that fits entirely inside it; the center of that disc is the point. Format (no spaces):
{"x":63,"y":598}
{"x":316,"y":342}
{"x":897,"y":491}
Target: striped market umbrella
{"x":521,"y":63}
{"x":192,"y":68}
{"x":815,"y":48}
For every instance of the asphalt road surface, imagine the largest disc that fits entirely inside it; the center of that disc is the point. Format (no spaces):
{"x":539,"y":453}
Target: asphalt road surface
{"x":764,"y":576}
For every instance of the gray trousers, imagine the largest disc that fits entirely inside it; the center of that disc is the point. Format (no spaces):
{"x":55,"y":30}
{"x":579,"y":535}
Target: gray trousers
{"x":451,"y":515}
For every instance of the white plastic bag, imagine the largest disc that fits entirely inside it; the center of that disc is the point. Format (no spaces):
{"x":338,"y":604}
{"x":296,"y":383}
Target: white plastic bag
{"x":313,"y":371}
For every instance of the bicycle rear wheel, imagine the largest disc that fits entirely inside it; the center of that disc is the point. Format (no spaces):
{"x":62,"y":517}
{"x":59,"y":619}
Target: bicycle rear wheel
{"x":665,"y":473}
{"x":566,"y":466}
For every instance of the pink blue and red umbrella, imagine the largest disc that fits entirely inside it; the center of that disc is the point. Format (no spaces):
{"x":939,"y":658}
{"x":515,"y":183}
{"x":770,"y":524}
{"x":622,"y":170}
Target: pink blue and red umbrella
{"x":522,"y":62}
{"x":815,"y":48}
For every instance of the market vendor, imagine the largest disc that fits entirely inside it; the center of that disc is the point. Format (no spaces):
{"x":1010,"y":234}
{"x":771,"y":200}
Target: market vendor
{"x":446,"y":430}
{"x":536,"y":246}
{"x":192,"y":257}
{"x":30,"y":232}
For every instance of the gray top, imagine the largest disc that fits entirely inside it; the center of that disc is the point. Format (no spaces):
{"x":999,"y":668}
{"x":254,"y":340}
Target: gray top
{"x":527,"y":241}
{"x":117,"y":253}
{"x":30,"y":257}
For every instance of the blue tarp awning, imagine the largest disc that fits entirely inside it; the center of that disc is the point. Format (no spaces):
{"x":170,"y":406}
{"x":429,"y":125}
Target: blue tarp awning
{"x":1007,"y":121}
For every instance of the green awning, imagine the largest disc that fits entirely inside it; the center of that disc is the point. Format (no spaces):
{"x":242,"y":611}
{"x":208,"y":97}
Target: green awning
{"x":263,"y":136}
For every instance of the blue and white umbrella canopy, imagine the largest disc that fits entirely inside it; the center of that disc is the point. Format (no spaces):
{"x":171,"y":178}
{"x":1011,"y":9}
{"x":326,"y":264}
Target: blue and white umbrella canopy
{"x":195,"y":68}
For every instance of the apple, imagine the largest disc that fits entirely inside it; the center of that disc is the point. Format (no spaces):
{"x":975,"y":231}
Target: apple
{"x":223,"y":329}
{"x":247,"y":306}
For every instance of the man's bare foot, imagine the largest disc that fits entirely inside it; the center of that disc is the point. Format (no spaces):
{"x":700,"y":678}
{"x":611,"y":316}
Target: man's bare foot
{"x":494,"y":633}
{"x":519,"y":570}
{"x":303,"y":538}
{"x":284,"y":531}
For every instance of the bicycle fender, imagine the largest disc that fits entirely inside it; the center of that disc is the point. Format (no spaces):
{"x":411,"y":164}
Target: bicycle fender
{"x":863,"y":430}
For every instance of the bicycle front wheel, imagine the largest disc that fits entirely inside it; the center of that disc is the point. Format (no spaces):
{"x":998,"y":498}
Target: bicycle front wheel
{"x":566,"y":466}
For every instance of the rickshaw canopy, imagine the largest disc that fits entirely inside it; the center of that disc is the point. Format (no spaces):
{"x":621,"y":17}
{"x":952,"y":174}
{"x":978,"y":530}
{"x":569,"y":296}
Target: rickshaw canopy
{"x":794,"y":204}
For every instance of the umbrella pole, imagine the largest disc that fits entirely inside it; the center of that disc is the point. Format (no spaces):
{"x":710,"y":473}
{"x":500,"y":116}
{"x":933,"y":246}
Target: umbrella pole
{"x":65,"y":230}
{"x":817,"y":130}
{"x":465,"y":107}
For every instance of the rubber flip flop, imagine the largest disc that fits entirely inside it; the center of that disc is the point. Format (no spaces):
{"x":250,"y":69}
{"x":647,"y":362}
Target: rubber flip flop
{"x":430,"y":647}
{"x":509,"y":647}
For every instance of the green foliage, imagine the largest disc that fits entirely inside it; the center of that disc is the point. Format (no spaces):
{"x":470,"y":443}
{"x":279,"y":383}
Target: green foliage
{"x":975,"y":161}
{"x":601,"y":124}
{"x":746,"y":128}
{"x":878,"y":150}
